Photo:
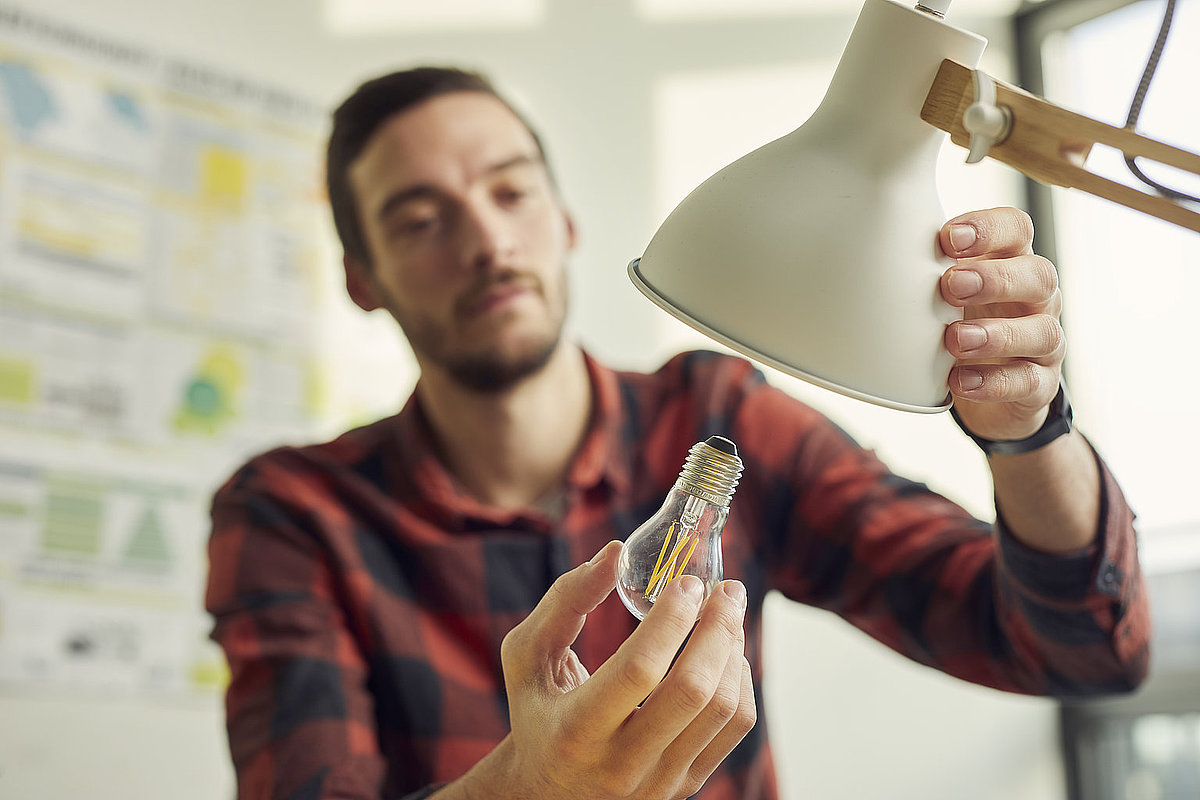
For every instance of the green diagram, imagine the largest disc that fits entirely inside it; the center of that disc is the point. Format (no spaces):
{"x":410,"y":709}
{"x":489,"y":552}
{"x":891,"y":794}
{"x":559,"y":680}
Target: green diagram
{"x":147,"y":546}
{"x":73,"y":521}
{"x":211,"y":395}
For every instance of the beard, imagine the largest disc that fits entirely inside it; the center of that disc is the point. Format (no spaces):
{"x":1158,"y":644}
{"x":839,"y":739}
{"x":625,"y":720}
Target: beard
{"x":487,"y":373}
{"x":489,"y":368}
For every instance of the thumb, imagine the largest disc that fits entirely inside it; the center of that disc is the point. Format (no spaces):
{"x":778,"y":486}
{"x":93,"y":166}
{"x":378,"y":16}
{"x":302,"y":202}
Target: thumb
{"x":561,"y":613}
{"x":558,"y":618}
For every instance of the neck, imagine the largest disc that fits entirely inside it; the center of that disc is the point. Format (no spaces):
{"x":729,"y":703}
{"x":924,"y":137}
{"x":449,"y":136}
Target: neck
{"x":511,"y":448}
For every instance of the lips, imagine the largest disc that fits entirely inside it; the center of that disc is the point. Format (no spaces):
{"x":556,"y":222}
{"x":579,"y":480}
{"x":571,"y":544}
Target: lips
{"x":494,"y":293}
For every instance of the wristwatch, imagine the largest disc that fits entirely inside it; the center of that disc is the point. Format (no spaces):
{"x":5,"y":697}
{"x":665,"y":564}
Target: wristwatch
{"x":1058,"y":422}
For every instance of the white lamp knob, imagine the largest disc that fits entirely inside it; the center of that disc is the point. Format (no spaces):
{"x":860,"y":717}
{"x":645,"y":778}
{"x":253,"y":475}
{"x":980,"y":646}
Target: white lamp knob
{"x":987,"y":122}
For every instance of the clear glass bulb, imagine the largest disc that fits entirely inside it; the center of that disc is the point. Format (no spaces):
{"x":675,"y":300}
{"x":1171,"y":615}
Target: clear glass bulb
{"x":684,"y":536}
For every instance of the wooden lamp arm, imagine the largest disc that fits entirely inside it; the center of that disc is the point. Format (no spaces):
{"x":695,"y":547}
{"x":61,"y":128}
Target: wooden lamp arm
{"x":1051,"y":145}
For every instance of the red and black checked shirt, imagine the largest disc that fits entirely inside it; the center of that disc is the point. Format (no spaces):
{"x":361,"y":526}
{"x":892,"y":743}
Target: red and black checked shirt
{"x":361,"y":595}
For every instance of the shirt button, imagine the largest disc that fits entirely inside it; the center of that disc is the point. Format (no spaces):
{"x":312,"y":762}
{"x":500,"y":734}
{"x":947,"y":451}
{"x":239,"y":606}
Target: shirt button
{"x":1109,"y":577}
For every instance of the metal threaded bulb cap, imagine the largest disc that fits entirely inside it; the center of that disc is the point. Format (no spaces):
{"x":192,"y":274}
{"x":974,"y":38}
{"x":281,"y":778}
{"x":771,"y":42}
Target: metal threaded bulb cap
{"x":711,"y":471}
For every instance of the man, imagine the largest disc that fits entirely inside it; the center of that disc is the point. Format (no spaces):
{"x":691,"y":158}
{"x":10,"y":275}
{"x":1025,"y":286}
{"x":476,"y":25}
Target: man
{"x":400,"y":607}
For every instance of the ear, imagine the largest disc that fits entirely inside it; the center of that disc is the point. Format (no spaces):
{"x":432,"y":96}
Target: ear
{"x":360,"y":284}
{"x":572,"y":233}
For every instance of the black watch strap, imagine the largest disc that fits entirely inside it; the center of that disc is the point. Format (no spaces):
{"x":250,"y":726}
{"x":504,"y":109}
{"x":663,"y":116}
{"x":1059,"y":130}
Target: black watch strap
{"x":1058,"y":422}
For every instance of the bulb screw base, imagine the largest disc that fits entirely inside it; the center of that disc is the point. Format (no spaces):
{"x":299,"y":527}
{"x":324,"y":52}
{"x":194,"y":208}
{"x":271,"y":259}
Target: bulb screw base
{"x":711,"y":471}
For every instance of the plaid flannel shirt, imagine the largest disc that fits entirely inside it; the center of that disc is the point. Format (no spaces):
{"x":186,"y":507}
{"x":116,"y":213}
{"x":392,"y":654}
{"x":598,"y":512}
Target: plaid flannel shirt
{"x":361,"y":595}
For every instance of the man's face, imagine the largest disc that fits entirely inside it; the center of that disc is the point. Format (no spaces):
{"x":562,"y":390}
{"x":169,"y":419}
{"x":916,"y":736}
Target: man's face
{"x":467,"y":237}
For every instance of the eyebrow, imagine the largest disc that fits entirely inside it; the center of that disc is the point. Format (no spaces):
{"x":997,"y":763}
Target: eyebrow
{"x":424,"y":190}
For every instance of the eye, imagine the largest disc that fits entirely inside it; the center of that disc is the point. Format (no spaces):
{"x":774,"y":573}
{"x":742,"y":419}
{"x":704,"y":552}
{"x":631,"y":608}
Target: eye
{"x":511,"y":194}
{"x":417,"y":225}
{"x":414,"y":222}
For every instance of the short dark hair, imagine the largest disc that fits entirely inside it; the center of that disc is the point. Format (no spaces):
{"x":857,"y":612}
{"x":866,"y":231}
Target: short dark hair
{"x":356,"y":120}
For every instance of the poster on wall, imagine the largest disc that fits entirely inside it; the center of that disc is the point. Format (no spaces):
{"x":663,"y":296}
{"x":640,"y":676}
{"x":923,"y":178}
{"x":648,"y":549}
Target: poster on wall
{"x":161,"y":231}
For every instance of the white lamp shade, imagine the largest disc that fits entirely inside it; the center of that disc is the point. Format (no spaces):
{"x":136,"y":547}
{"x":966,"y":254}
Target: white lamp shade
{"x":817,"y":254}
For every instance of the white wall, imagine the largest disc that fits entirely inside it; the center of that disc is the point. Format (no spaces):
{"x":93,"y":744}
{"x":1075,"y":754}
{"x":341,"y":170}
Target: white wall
{"x":851,"y":720}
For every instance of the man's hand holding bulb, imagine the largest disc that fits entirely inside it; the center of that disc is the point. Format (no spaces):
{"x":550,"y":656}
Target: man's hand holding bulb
{"x":646,"y":725}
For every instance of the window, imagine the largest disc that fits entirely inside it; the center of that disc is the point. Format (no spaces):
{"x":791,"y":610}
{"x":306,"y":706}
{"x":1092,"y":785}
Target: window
{"x":1128,"y":282}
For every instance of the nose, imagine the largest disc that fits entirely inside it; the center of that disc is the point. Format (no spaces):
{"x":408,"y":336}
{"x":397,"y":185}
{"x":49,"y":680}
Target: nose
{"x":487,"y":238}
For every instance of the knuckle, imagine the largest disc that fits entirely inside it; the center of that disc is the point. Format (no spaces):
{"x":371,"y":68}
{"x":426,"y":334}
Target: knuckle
{"x":1010,"y":226}
{"x":730,"y":623}
{"x":1009,"y":337}
{"x":560,"y":590}
{"x":1018,"y":380}
{"x":1053,"y":334}
{"x":1047,"y":275}
{"x":1003,"y":381}
{"x":693,"y":690}
{"x":697,"y":776}
{"x":1055,"y":304}
{"x":747,"y":714}
{"x":618,"y":783}
{"x":1007,"y":281}
{"x":638,"y":672}
{"x":1002,"y":280}
{"x":572,"y":737}
{"x":1030,"y":380}
{"x":746,"y":717}
{"x":726,"y":704}
{"x":743,"y":723}
{"x":1022,"y":225}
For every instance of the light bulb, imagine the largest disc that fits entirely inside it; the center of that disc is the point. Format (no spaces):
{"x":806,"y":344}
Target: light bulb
{"x":684,"y":536}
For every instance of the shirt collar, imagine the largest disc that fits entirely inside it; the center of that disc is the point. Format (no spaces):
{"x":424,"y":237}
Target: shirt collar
{"x":601,"y":458}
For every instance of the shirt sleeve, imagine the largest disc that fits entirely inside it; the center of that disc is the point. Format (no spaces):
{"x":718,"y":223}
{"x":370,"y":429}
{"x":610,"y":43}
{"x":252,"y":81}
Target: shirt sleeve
{"x":1099,"y":592}
{"x":917,"y":572}
{"x":299,"y":718}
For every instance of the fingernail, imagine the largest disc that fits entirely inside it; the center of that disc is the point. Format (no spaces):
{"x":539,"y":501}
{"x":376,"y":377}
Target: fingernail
{"x":736,"y":592}
{"x":965,"y":283}
{"x":692,"y":588}
{"x":600,"y":557}
{"x":961,"y":237}
{"x":971,"y":337}
{"x":969,"y":379}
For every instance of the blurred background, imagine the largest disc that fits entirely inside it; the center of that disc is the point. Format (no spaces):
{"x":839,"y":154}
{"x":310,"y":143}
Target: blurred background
{"x":170,"y":304}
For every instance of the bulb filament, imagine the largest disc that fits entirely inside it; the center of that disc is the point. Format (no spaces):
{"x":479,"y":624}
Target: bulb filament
{"x":674,"y":566}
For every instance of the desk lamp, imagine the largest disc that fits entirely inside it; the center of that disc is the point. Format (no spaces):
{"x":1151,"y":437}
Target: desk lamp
{"x":817,"y":254}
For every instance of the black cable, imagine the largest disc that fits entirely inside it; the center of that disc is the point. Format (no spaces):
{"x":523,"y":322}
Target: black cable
{"x":1139,"y":97}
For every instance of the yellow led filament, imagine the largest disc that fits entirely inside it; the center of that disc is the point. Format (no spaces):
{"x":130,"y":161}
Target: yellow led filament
{"x":665,"y":573}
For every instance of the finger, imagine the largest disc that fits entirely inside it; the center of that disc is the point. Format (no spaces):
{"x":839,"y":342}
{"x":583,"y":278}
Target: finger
{"x":997,"y":232}
{"x":729,"y":715}
{"x":731,"y":735}
{"x":1038,"y":336}
{"x":632,"y":673}
{"x":688,"y":689}
{"x":683,"y":767}
{"x":1025,"y":383}
{"x":1029,"y":279}
{"x":558,"y":618}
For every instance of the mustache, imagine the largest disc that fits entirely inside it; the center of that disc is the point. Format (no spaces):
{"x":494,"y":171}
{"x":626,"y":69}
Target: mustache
{"x":486,"y":284}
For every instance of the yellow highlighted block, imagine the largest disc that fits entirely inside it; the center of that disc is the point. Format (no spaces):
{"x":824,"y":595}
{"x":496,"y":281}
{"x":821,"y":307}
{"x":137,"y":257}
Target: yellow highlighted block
{"x":18,"y":379}
{"x":209,"y":674}
{"x":225,"y":178}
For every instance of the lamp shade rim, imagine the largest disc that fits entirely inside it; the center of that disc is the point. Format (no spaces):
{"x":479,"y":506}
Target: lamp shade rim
{"x":663,"y":302}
